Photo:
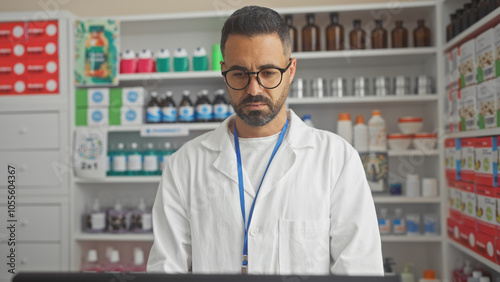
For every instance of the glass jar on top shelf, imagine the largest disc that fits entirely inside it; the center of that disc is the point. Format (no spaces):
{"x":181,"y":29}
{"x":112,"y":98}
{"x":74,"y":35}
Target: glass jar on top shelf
{"x":421,"y":35}
{"x":379,"y":36}
{"x":310,"y":35}
{"x":450,"y":29}
{"x":293,"y":32}
{"x":334,"y":34}
{"x":399,"y":36}
{"x":357,"y":37}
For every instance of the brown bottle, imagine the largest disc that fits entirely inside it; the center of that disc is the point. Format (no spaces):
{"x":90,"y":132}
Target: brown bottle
{"x":421,"y":35}
{"x":310,"y":35}
{"x":466,"y":16}
{"x":293,"y":32}
{"x":357,"y":37}
{"x":484,"y":8}
{"x":334,"y":34}
{"x":497,"y":3}
{"x":474,"y":12}
{"x":399,"y":36}
{"x":458,"y":21}
{"x":450,"y":29}
{"x":379,"y":36}
{"x":493,"y":5}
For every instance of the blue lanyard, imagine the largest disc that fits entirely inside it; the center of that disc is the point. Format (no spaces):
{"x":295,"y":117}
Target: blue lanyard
{"x":244,"y":266}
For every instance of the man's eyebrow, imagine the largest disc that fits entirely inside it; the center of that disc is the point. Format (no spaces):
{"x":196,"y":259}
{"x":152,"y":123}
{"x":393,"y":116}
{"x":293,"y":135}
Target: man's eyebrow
{"x":238,"y":67}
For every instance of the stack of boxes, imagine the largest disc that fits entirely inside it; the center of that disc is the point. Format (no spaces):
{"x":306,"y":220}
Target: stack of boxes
{"x":474,"y":195}
{"x":30,"y":58}
{"x":109,"y":106}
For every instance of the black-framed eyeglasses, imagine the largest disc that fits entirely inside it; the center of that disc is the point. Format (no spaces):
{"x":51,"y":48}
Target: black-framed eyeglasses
{"x":269,"y":77}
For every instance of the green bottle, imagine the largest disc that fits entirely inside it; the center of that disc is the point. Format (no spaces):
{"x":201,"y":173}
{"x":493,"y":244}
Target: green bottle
{"x":134,"y":160}
{"x":150,"y":157}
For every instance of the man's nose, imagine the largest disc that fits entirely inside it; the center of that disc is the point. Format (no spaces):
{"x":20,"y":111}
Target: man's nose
{"x":254,"y":88}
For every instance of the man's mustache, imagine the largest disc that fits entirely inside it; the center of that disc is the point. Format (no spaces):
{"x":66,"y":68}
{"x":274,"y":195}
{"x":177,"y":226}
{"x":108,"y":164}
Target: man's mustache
{"x":257,"y":99}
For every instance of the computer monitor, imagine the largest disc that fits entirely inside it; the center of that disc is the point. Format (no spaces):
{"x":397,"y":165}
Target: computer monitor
{"x":156,"y":277}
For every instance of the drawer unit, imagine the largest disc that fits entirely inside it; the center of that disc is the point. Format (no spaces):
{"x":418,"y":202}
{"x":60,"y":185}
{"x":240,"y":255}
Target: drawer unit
{"x":29,"y":131}
{"x":35,"y":223}
{"x":35,"y":168}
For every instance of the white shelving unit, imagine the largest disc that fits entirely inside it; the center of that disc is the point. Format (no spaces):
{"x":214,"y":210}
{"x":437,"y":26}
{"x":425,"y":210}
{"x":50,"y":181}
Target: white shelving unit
{"x":190,"y":29}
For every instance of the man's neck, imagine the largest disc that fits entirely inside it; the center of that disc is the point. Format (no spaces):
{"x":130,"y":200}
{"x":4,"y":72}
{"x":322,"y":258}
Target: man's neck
{"x":274,"y":126}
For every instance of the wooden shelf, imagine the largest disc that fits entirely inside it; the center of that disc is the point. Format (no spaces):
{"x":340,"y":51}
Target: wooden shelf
{"x":474,"y":133}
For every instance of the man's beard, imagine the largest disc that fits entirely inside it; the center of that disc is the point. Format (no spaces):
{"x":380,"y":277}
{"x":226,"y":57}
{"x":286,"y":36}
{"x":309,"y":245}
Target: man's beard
{"x":259,"y":118}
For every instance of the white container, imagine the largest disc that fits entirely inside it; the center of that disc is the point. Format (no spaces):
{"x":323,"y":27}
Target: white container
{"x":377,"y":133}
{"x":384,"y":222}
{"x":410,"y":125}
{"x":344,"y":127}
{"x":424,"y":141}
{"x":412,"y":185}
{"x":399,"y":222}
{"x":361,"y":135}
{"x":398,"y":142}
{"x":429,"y":187}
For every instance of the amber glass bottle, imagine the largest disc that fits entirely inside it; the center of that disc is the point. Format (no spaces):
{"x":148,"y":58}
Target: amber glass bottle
{"x":458,"y":21}
{"x":334,"y":34}
{"x":399,"y":36}
{"x":474,"y":12}
{"x":493,"y":5}
{"x":421,"y":35}
{"x":310,"y":35}
{"x":293,"y":32}
{"x":450,"y":31}
{"x":484,"y":8}
{"x":466,"y":16}
{"x":357,"y":37}
{"x":379,"y":36}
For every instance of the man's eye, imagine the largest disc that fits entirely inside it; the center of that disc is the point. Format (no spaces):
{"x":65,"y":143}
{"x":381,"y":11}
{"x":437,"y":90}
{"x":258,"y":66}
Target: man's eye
{"x":237,"y":74}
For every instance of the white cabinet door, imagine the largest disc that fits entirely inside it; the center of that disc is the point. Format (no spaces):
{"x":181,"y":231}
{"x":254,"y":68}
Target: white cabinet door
{"x":35,"y":223}
{"x":33,"y":131}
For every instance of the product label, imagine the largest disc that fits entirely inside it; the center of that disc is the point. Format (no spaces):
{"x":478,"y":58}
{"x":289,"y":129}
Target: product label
{"x":150,"y":163}
{"x":468,"y":204}
{"x":96,"y":57}
{"x":455,"y":202}
{"x":153,"y":114}
{"x":413,"y":224}
{"x":487,"y":108}
{"x":186,"y":113}
{"x":147,"y":221}
{"x":467,"y":171}
{"x":455,"y":102}
{"x":486,"y":167}
{"x":119,"y":163}
{"x":169,"y":114}
{"x":486,"y":209}
{"x":467,"y":109}
{"x":130,"y":115}
{"x":376,"y":167}
{"x":484,"y":56}
{"x":97,"y":221}
{"x":204,"y":112}
{"x":384,"y":226}
{"x":399,"y":226}
{"x":430,"y":225}
{"x":220,"y":111}
{"x":467,"y":66}
{"x":452,"y":158}
{"x":134,"y":162}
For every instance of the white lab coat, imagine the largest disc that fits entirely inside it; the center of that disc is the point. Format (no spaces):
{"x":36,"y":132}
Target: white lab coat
{"x":314,"y":213}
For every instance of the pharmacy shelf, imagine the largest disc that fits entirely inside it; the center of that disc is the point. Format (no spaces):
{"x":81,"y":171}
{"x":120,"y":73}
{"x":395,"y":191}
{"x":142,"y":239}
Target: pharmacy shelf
{"x":114,"y":237}
{"x":119,"y":179}
{"x":405,"y":200}
{"x":474,"y":255}
{"x":170,"y":76}
{"x":412,"y":239}
{"x":382,"y":54}
{"x":474,"y":133}
{"x":363,"y":100}
{"x":491,"y":20}
{"x":189,"y":126}
{"x":414,"y":152}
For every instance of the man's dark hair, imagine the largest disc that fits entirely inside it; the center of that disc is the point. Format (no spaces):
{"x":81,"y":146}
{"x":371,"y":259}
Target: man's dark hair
{"x":255,"y":20}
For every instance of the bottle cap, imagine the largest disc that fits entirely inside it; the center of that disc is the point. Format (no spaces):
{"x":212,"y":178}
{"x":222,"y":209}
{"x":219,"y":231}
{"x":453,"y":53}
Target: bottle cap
{"x":359,"y":119}
{"x":120,"y":146}
{"x":167,"y":145}
{"x":133,"y":146}
{"x":96,"y":207}
{"x":163,"y":53}
{"x":150,"y":146}
{"x":169,"y":93}
{"x":92,"y":255}
{"x":118,"y":206}
{"x":383,"y":212}
{"x":376,"y":113}
{"x":153,"y":94}
{"x":429,"y":274}
{"x":399,"y":212}
{"x":477,"y":274}
{"x":204,"y":92}
{"x":138,"y":256}
{"x":114,"y":256}
{"x":145,"y":54}
{"x":142,"y":205}
{"x":467,"y":268}
{"x":344,"y":116}
{"x":128,"y":54}
{"x":199,"y":52}
{"x":180,"y":53}
{"x":305,"y":117}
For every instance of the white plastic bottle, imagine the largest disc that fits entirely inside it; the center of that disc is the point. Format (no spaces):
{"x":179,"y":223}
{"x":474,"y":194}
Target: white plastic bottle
{"x":307,"y":120}
{"x":399,"y":223}
{"x":92,"y":264}
{"x":114,"y":264}
{"x":344,"y":127}
{"x":360,"y":135}
{"x":407,"y":275}
{"x":476,"y":276}
{"x":139,"y":265}
{"x":384,"y":222}
{"x":377,"y":133}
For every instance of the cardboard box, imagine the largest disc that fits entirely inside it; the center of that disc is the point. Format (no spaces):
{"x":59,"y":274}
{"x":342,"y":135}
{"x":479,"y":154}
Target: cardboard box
{"x":485,"y":246}
{"x":447,"y":72}
{"x":11,"y":68}
{"x":486,"y":161}
{"x":126,"y":116}
{"x":127,"y":96}
{"x":41,"y":49}
{"x":12,"y":31}
{"x":13,"y":85}
{"x":454,"y":201}
{"x":467,"y":236}
{"x":44,"y":66}
{"x":42,"y":30}
{"x":468,"y":109}
{"x":42,"y":84}
{"x":485,"y":55}
{"x":92,"y":97}
{"x":486,"y":209}
{"x":467,"y":63}
{"x":454,"y":69}
{"x":468,"y":151}
{"x":448,"y":120}
{"x":12,"y":50}
{"x":455,"y":117}
{"x":469,"y":203}
{"x":453,"y":155}
{"x":497,"y":50}
{"x":497,"y":250}
{"x":453,"y":229}
{"x":497,"y":211}
{"x":487,"y":105}
{"x":91,"y":116}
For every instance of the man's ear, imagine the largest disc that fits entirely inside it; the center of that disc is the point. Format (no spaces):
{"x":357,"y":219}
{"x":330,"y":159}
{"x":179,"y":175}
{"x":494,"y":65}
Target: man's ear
{"x":293,"y":68}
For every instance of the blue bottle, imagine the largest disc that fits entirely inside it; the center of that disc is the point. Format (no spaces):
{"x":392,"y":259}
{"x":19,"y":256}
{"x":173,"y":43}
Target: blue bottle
{"x":168,"y":108}
{"x":186,"y":109}
{"x":150,"y":157}
{"x":220,"y":106}
{"x":203,"y":107}
{"x":134,"y":160}
{"x":153,"y":112}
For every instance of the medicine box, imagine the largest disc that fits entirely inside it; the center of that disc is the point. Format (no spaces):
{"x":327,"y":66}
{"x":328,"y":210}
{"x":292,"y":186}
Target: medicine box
{"x":487,"y":112}
{"x":467,"y":109}
{"x":485,"y":246}
{"x":497,"y":50}
{"x":467,"y":236}
{"x":486,"y":209}
{"x":453,"y":229}
{"x":486,"y":166}
{"x":91,"y":116}
{"x":468,"y":202}
{"x":126,"y":116}
{"x":454,"y":201}
{"x":467,"y":63}
{"x":127,"y":96}
{"x":92,"y":97}
{"x":467,"y":172}
{"x":452,"y":158}
{"x":454,"y":69}
{"x":485,"y":55}
{"x":455,"y":116}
